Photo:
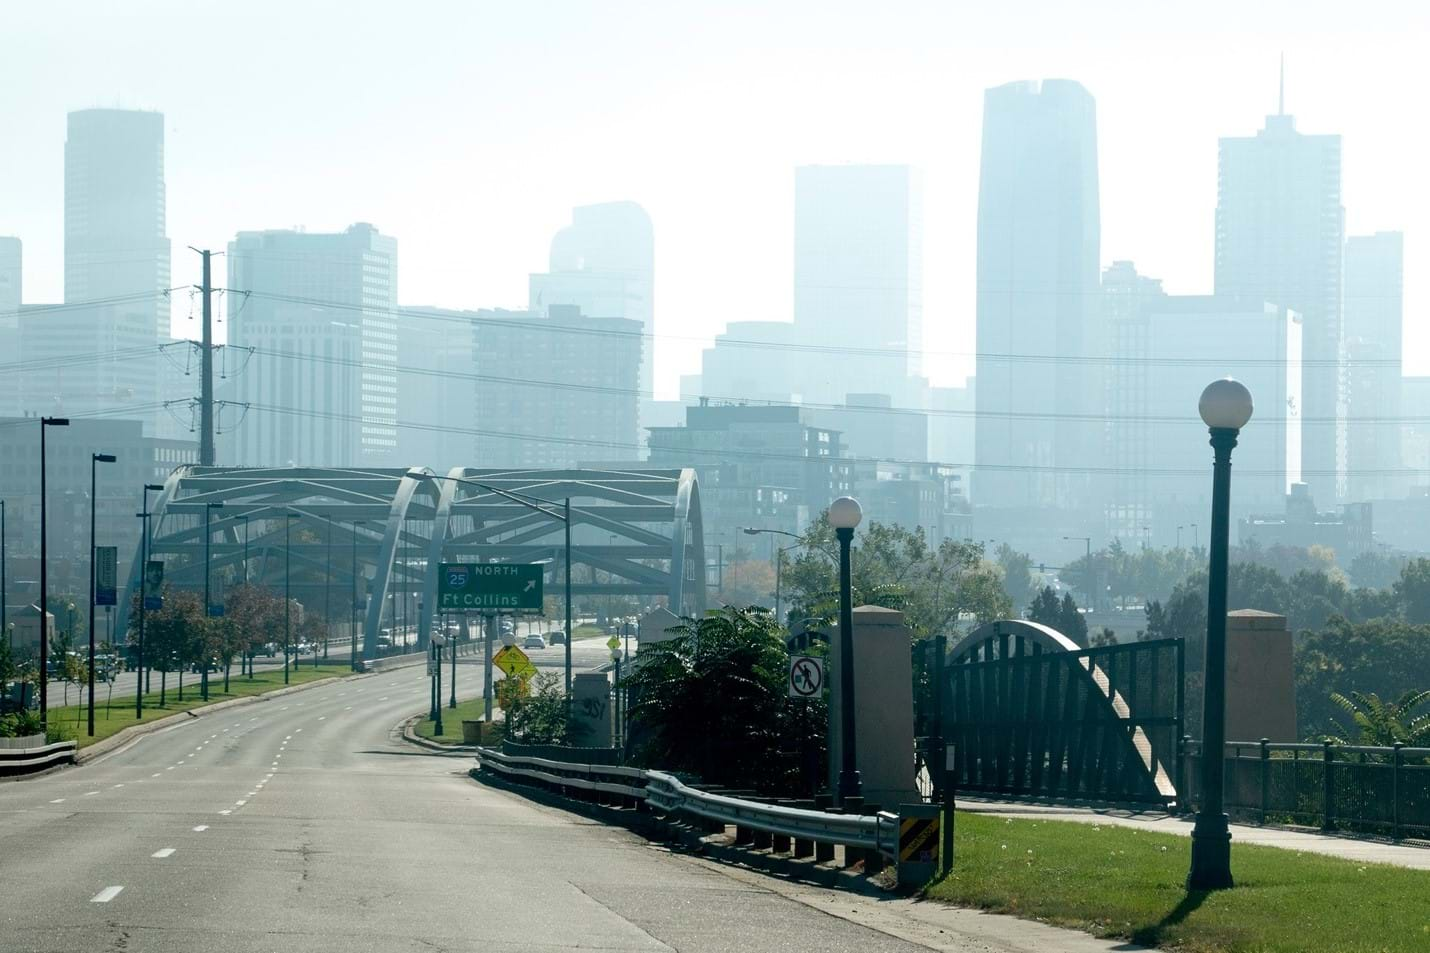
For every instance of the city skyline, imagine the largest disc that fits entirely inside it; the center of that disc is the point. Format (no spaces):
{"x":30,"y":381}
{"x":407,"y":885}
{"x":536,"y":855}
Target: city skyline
{"x":1169,"y":120}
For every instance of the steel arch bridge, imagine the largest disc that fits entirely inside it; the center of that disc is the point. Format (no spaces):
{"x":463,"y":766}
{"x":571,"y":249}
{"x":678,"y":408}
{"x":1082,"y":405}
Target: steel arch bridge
{"x":365,"y":543}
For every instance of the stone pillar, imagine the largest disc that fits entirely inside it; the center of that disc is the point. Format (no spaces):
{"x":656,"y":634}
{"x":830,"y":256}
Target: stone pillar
{"x":591,"y":709}
{"x":655,"y":626}
{"x":1260,"y":679}
{"x":883,"y":706}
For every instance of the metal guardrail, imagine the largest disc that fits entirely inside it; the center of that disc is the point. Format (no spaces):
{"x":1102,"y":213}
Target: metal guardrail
{"x":26,"y":760}
{"x":868,"y":831}
{"x":667,"y":793}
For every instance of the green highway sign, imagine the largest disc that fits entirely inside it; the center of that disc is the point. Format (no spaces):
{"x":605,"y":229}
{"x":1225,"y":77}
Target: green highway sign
{"x":510,"y":586}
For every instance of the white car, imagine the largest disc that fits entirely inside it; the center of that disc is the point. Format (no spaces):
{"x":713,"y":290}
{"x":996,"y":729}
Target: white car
{"x":534,"y":641}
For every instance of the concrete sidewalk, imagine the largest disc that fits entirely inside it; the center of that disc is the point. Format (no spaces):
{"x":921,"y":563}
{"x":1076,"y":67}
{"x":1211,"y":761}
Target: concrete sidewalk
{"x":1350,"y":848}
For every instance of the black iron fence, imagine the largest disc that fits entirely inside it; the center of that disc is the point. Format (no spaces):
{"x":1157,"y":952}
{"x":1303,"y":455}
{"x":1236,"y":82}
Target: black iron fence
{"x":1091,"y":724}
{"x":1355,"y":788}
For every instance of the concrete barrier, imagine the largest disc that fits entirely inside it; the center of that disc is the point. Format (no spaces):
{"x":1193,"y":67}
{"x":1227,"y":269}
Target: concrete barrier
{"x":38,"y":757}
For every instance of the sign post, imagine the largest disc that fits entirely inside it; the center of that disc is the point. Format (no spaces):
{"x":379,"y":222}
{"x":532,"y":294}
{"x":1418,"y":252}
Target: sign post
{"x":515,"y":587}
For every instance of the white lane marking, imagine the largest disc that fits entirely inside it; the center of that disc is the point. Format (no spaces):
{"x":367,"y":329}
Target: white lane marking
{"x":287,"y":737}
{"x":155,"y":774}
{"x":225,"y":812}
{"x":383,"y":698}
{"x":120,"y":784}
{"x":201,"y":828}
{"x":322,"y":717}
{"x":252,"y":793}
{"x":58,"y":800}
{"x":349,"y":708}
{"x":106,"y":895}
{"x":239,"y":803}
{"x":296,"y":730}
{"x":275,"y":764}
{"x":181,"y":761}
{"x":169,"y":768}
{"x":163,"y":852}
{"x":285,"y":708}
{"x":90,"y":793}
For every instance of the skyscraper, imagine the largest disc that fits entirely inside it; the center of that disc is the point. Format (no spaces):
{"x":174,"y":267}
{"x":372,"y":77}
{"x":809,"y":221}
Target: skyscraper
{"x":604,"y":264}
{"x":115,"y":241}
{"x":1373,"y":303}
{"x":10,"y":283}
{"x":858,"y":280}
{"x":320,"y":315}
{"x":1280,"y":234}
{"x":1039,"y":232}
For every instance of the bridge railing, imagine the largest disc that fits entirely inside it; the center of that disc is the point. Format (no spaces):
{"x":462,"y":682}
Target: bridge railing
{"x":1360,"y":788}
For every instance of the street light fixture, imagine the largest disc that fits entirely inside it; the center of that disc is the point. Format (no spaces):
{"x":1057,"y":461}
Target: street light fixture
{"x":44,"y":576}
{"x":844,"y":515}
{"x":779,"y":559}
{"x":352,"y":629}
{"x":1225,"y":407}
{"x":288,"y":518}
{"x":4,"y":624}
{"x":94,"y":460}
{"x":208,"y":600}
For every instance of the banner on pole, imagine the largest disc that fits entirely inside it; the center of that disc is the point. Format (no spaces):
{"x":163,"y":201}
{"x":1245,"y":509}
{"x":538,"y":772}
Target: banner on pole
{"x":106,"y":564}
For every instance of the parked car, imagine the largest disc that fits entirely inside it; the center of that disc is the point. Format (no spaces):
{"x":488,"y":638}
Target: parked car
{"x":556,"y":637}
{"x":534,"y":641}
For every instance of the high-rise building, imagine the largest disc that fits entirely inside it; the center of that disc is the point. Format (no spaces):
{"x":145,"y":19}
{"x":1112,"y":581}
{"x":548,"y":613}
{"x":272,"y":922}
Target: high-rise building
{"x":436,"y":388}
{"x":1374,"y":300}
{"x":1038,"y":321}
{"x":11,"y":254}
{"x":1127,"y":300}
{"x":115,"y":241}
{"x":319,"y":312}
{"x":554,"y":388}
{"x":604,"y":264}
{"x":750,"y":360}
{"x":1280,"y":235}
{"x":858,"y":280}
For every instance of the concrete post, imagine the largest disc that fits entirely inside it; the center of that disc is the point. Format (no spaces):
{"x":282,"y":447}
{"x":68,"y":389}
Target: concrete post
{"x":884,"y":702}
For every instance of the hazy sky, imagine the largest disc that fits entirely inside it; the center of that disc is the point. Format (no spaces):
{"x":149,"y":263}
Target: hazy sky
{"x":468,"y":129}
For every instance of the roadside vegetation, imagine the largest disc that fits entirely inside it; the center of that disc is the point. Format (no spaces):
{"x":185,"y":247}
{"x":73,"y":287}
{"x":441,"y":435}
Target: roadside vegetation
{"x":1123,"y":883}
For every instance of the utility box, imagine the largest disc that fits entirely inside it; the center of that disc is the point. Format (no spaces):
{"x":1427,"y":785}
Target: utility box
{"x":917,"y":858}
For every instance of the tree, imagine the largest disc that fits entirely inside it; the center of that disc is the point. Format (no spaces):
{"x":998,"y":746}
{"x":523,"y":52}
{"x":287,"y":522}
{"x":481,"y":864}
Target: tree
{"x":894,"y":567}
{"x":170,"y":635}
{"x":539,"y":717}
{"x":1060,"y":614}
{"x":747,"y":582}
{"x":1385,"y":657}
{"x":1382,"y":723}
{"x":712,"y":701}
{"x":1412,"y":590}
{"x":1377,"y":569}
{"x":1017,"y":569}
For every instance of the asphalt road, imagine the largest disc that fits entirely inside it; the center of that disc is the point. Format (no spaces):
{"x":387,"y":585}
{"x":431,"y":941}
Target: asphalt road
{"x":305,"y":823}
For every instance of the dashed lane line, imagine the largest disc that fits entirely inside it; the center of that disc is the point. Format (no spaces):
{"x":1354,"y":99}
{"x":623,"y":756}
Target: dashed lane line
{"x":163,"y":852}
{"x":201,"y":828}
{"x":106,"y":895}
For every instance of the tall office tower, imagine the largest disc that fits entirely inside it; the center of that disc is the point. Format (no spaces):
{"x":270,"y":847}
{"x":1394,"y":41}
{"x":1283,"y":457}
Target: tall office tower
{"x":321,"y":385}
{"x":858,"y":280}
{"x":1373,"y":302}
{"x":11,"y":253}
{"x":554,"y":388}
{"x":116,"y":259}
{"x":749,"y":361}
{"x":1127,"y":298}
{"x":1038,"y":399}
{"x":1280,"y":234}
{"x":115,"y":241}
{"x":436,"y":387}
{"x":604,"y":264}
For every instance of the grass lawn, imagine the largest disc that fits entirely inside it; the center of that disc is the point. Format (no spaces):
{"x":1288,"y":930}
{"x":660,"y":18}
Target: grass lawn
{"x":119,"y":714}
{"x":1119,"y":882}
{"x":588,"y":631}
{"x":472,"y":710}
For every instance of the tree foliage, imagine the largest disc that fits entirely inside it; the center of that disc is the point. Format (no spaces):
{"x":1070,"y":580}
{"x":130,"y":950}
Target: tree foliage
{"x":1385,"y":723}
{"x":1061,"y":614}
{"x":712,"y":701}
{"x":896,"y":568}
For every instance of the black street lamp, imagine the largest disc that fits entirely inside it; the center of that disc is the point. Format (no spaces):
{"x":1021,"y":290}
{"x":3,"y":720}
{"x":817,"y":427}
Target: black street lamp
{"x":208,"y":599}
{"x":44,"y":576}
{"x":4,"y":627}
{"x":139,"y":687}
{"x":94,"y":460}
{"x":288,"y":519}
{"x":352,"y":630}
{"x":844,"y":516}
{"x":1225,"y":408}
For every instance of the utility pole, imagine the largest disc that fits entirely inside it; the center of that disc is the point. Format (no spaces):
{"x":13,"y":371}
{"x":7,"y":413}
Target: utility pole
{"x":206,"y":376}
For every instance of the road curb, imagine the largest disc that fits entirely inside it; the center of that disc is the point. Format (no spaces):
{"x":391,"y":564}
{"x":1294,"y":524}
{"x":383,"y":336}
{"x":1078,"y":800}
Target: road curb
{"x":134,"y":732}
{"x":411,"y":737}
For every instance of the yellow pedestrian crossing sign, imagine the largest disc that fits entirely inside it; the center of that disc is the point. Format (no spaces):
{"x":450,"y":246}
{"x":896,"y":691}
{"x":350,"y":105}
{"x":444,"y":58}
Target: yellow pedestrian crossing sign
{"x":514,"y":662}
{"x":613,"y":643}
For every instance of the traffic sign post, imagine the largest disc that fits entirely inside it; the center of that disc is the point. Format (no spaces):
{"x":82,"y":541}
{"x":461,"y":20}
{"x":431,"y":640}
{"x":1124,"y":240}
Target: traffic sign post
{"x":514,"y":662}
{"x":515,"y":587}
{"x":806,"y":677}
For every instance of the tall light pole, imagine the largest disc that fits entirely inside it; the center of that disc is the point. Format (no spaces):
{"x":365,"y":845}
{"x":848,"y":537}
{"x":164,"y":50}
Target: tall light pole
{"x":844,"y":515}
{"x":1225,"y":407}
{"x":327,"y":596}
{"x":1196,"y":537}
{"x":4,"y":627}
{"x":44,"y":576}
{"x":352,"y":629}
{"x":779,"y":558}
{"x":208,"y":599}
{"x":144,"y":515}
{"x":288,"y":519}
{"x":94,"y":460}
